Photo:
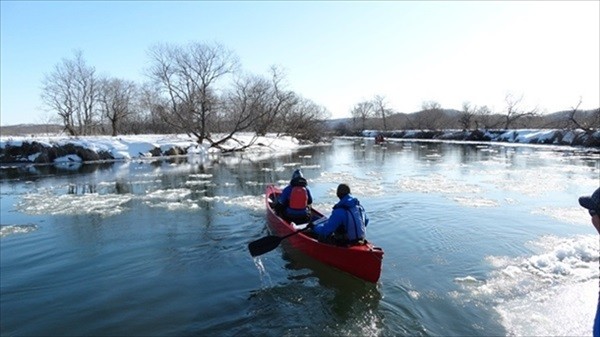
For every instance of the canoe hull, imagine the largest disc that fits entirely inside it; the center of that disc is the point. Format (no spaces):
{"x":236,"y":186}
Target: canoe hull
{"x":362,"y":261}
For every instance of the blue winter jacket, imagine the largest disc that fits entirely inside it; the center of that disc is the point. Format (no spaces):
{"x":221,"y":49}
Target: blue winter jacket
{"x":350,"y":214}
{"x":284,"y":197}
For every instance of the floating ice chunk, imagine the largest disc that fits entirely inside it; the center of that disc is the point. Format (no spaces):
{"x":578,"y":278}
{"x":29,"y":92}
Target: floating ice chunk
{"x":182,"y":205}
{"x":197,"y":182}
{"x":176,"y":194}
{"x":171,"y":199}
{"x":476,"y":202}
{"x":574,"y":215}
{"x":91,"y":203}
{"x":310,"y":167}
{"x":7,"y":230}
{"x":437,"y":183}
{"x":252,"y":202}
{"x":360,"y":186}
{"x":201,"y":176}
{"x":466,"y":279}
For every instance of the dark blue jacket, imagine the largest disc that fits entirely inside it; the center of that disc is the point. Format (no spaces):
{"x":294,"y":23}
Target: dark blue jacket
{"x":284,"y":197}
{"x":348,"y":213}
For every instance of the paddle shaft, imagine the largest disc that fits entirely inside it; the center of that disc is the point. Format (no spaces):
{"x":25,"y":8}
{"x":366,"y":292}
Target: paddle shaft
{"x":294,"y":233}
{"x":269,"y":243}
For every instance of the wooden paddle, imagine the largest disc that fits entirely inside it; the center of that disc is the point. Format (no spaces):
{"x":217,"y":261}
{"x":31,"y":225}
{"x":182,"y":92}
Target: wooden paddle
{"x":268,"y":243}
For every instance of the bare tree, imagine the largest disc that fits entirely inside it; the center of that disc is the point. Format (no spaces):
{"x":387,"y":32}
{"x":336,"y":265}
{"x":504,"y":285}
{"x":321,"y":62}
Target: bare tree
{"x":71,"y":91}
{"x":116,"y":97}
{"x":87,"y":93}
{"x":242,"y":107}
{"x":467,"y":115}
{"x":431,"y":116}
{"x":189,"y":77}
{"x":361,"y":112}
{"x":381,"y":109}
{"x":304,"y":120}
{"x":589,"y":125}
{"x":514,"y":112}
{"x":483,"y":118}
{"x":277,"y":104}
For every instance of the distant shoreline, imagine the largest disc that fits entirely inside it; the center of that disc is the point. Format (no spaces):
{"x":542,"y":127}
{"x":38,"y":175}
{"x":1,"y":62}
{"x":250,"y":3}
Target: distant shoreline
{"x":62,"y":149}
{"x":577,"y":137}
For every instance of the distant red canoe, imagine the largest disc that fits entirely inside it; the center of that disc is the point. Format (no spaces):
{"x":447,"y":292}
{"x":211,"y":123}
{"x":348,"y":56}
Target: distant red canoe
{"x":362,"y":261}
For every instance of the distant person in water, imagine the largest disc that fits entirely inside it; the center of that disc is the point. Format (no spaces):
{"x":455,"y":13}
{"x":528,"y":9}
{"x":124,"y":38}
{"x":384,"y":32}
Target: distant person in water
{"x":347,"y":223}
{"x":295,"y":200}
{"x":592,"y":204}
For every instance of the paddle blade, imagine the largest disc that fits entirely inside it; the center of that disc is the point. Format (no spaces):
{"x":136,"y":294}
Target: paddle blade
{"x":264,"y":245}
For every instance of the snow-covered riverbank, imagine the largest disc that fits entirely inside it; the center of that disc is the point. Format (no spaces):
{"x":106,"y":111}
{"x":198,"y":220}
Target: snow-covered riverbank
{"x":522,"y":136}
{"x":64,"y":149}
{"x":38,"y":149}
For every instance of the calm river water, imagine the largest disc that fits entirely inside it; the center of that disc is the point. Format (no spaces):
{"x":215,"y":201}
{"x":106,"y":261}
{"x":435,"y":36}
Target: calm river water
{"x":479,"y":239}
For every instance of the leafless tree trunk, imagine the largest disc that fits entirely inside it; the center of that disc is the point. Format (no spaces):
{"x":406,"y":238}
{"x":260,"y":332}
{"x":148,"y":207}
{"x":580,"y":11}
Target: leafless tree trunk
{"x":153,"y":110}
{"x":581,"y":125}
{"x":71,"y":91}
{"x":431,"y":117}
{"x":117,"y":101}
{"x":380,"y":106}
{"x":483,"y":117}
{"x":304,"y":120}
{"x":362,"y":111}
{"x":276,"y":105}
{"x":467,"y":115}
{"x":513,"y":112}
{"x":243,"y":105}
{"x":189,"y":77}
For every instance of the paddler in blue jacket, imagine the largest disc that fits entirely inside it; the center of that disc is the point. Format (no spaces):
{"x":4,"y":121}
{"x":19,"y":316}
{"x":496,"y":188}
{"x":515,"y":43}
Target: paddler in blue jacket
{"x":348,"y":221}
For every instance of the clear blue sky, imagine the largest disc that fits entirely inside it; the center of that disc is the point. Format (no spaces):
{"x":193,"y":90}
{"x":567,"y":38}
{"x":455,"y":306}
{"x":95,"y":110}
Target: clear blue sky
{"x":334,"y":53}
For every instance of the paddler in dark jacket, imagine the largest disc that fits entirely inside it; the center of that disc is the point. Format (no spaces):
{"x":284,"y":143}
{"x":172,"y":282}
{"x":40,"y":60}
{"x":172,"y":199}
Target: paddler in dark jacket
{"x":348,"y":221}
{"x":295,"y":200}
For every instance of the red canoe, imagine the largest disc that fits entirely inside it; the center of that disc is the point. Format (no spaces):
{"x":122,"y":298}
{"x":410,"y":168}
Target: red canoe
{"x":362,"y":261}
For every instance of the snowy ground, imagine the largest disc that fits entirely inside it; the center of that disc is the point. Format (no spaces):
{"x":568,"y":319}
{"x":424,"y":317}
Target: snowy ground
{"x":524,"y":136}
{"x":140,"y":146}
{"x":145,"y":146}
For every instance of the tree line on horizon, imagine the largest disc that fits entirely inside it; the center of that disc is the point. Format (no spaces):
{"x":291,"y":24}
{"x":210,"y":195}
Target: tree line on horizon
{"x":375,"y":114}
{"x":200,"y":89}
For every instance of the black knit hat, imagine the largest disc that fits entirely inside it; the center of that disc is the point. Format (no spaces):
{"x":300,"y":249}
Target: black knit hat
{"x":342,"y":190}
{"x":592,"y":202}
{"x":297,"y":174}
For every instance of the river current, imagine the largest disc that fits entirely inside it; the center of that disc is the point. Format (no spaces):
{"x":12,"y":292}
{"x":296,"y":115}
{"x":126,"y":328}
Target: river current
{"x":479,"y":239}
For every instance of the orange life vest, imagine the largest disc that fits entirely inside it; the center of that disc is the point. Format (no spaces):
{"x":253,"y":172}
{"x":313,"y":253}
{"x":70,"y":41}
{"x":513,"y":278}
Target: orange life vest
{"x":298,"y":198}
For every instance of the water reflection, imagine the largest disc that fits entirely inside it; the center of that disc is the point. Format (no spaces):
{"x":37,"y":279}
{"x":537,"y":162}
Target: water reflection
{"x":175,"y":232}
{"x":30,"y":172}
{"x":323,"y":301}
{"x":82,"y":188}
{"x":353,"y":303}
